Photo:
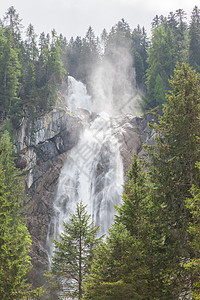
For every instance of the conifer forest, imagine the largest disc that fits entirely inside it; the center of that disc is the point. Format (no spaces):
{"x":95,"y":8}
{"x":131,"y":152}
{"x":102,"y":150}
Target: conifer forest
{"x":151,"y":251}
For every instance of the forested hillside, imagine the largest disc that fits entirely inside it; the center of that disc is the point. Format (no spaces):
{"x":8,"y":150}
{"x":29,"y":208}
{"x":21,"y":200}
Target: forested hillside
{"x":152,"y":250}
{"x":33,"y":66}
{"x":30,"y":70}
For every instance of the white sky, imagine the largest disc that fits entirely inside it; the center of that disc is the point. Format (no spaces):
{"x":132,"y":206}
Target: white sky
{"x":73,"y":17}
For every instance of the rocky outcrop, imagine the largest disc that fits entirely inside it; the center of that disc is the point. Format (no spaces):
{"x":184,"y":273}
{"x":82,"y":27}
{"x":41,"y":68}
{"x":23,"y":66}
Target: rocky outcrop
{"x":132,"y":132}
{"x":42,"y":146}
{"x":45,"y":138}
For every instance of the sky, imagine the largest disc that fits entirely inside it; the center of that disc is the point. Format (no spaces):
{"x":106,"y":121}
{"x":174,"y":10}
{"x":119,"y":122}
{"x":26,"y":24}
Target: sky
{"x":73,"y":17}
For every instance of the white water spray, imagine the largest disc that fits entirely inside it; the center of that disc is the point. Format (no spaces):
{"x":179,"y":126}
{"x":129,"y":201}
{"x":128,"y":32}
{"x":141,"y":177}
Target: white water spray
{"x":93,"y":171}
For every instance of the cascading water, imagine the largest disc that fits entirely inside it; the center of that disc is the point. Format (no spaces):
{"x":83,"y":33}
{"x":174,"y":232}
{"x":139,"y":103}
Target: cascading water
{"x":93,"y":171}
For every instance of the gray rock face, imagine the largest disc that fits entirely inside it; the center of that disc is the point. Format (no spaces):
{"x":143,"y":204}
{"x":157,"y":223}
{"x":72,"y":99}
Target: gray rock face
{"x":132,"y":133}
{"x":43,"y":147}
{"x":44,"y":139}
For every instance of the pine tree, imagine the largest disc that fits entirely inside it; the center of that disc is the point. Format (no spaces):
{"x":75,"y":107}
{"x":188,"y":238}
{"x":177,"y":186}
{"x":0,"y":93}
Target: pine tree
{"x":15,"y":239}
{"x":169,"y":45}
{"x":3,"y":44}
{"x":73,"y":255}
{"x":10,"y":73}
{"x":116,"y":270}
{"x":161,"y":62}
{"x":178,"y":130}
{"x":139,"y":46}
{"x":173,"y":172}
{"x":52,"y":74}
{"x":193,"y":265}
{"x":13,"y":21}
{"x":135,"y":203}
{"x":74,"y":52}
{"x":194,"y":39}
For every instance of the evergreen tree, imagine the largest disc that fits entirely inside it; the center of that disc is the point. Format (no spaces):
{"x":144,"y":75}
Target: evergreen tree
{"x":74,"y":52}
{"x":31,"y":43}
{"x":193,"y":264}
{"x":73,"y":255}
{"x":169,"y":45}
{"x":161,"y":62}
{"x":180,"y":16}
{"x":13,"y":21}
{"x":50,"y":71}
{"x":30,"y":94}
{"x":172,"y":21}
{"x":193,"y":204}
{"x":173,"y":172}
{"x":116,"y":271}
{"x":135,"y":204}
{"x":3,"y":43}
{"x":194,"y":39}
{"x":11,"y":72}
{"x":139,"y":46}
{"x":15,"y":239}
{"x":104,"y":39}
{"x":119,"y":37}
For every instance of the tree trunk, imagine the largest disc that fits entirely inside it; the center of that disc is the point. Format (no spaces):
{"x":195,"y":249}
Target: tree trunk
{"x":80,"y":267}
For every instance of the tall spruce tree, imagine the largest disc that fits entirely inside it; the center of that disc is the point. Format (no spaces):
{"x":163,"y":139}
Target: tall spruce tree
{"x":161,"y":62}
{"x":139,"y":46}
{"x":10,"y":73}
{"x":15,"y":239}
{"x":194,"y":39}
{"x":117,"y":271}
{"x":193,"y":265}
{"x":173,"y":172}
{"x":73,"y":255}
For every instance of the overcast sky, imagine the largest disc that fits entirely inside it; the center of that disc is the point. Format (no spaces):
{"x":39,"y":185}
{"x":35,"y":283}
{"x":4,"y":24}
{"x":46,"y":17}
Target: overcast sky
{"x":73,"y":17}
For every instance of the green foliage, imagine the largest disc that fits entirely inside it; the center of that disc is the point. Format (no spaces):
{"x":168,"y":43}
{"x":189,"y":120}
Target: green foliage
{"x":139,"y":46}
{"x":116,"y":271}
{"x":73,"y":255}
{"x":29,"y":78}
{"x":82,"y":54}
{"x":161,"y":62}
{"x":193,"y":204}
{"x":15,"y":239}
{"x":173,"y":171}
{"x":135,"y":203}
{"x":43,"y":72}
{"x":169,"y":45}
{"x":159,"y":90}
{"x":10,"y":73}
{"x":178,"y":131}
{"x":194,"y":39}
{"x":31,"y":72}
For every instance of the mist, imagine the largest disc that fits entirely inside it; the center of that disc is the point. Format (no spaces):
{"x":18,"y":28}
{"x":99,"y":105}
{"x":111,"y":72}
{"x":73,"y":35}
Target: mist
{"x":113,"y":82}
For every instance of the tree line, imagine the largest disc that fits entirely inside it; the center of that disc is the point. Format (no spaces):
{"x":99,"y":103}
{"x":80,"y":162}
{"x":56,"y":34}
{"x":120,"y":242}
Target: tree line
{"x":32,"y":68}
{"x":172,"y":40}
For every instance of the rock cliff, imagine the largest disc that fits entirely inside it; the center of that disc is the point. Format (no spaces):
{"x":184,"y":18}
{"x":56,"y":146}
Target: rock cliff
{"x":43,"y":145}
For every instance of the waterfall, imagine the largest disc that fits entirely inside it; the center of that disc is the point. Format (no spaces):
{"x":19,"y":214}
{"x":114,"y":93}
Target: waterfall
{"x":93,"y":171}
